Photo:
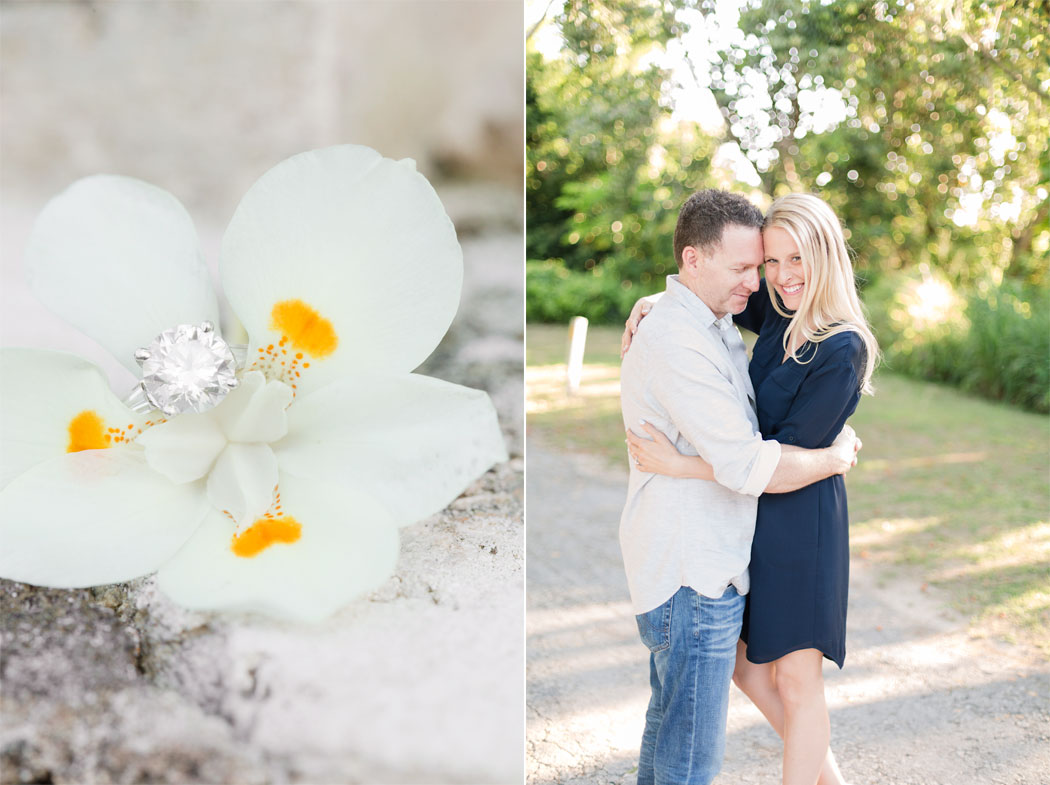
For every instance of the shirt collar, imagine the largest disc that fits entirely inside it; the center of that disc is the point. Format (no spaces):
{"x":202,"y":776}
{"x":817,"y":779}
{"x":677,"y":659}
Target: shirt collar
{"x":697,"y":307}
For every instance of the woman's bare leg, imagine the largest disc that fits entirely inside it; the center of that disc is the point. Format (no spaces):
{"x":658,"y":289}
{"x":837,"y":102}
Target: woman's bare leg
{"x":807,"y":729}
{"x":758,"y":682}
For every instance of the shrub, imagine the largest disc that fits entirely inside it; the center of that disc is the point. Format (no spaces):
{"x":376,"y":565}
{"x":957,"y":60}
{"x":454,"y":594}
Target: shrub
{"x":993,"y":340}
{"x":556,"y":294}
{"x":1009,"y":345}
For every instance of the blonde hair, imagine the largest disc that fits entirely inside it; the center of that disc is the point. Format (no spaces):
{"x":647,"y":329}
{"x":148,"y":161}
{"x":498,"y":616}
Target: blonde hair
{"x":830,"y":304}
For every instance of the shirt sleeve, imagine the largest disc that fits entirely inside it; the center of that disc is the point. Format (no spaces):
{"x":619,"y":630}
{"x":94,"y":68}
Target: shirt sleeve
{"x":707,"y":410}
{"x":825,"y":400}
{"x":754,"y":315}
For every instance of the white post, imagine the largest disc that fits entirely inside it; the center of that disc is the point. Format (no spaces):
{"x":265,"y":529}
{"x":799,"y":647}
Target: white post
{"x":577,"y":341}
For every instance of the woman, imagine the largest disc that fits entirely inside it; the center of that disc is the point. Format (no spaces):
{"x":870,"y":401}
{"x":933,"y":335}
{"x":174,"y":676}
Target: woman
{"x":814,"y":357}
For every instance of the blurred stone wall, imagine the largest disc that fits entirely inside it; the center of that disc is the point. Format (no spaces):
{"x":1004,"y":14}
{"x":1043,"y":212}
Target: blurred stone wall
{"x":205,"y":96}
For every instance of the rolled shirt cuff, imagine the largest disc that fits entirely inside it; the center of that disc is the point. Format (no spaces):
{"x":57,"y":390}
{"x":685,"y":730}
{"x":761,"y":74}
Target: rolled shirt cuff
{"x":762,"y":469}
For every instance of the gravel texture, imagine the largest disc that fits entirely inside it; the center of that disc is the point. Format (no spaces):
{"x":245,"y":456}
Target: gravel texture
{"x":919,"y":702}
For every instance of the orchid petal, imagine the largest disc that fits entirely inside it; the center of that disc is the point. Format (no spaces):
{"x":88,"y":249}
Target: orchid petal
{"x":412,"y":441}
{"x":93,"y":517}
{"x":183,"y":448}
{"x":43,"y":395}
{"x":119,"y":259}
{"x":357,"y":251}
{"x":347,"y":547}
{"x":243,"y":481}
{"x":254,"y":410}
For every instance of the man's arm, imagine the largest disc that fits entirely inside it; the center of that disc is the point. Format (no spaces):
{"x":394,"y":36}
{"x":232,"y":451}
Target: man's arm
{"x":796,"y":468}
{"x":799,"y":467}
{"x":705,"y":407}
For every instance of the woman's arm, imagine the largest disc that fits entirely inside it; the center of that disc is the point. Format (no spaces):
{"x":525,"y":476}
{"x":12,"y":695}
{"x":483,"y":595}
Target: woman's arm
{"x":659,"y":456}
{"x":638,"y":312}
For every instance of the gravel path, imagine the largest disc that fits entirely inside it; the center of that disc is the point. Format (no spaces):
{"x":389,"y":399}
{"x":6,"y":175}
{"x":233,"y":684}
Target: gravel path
{"x":919,"y":702}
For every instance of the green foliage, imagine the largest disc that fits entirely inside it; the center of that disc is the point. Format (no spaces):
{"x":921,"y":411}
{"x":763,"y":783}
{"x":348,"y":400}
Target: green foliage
{"x":938,"y":166}
{"x":554,"y":293}
{"x":596,"y":30}
{"x":603,"y":182}
{"x":941,"y":158}
{"x":994,"y":340}
{"x":590,"y":131}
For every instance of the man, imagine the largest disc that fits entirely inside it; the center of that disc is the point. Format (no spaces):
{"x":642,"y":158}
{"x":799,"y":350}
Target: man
{"x":686,"y":543}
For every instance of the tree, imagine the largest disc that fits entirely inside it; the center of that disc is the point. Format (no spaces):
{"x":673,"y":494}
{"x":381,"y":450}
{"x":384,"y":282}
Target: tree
{"x":603,"y":181}
{"x":941,"y":155}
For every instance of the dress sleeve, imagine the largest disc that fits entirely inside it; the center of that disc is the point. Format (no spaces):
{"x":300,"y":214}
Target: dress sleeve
{"x":754,"y":315}
{"x":826,"y":398}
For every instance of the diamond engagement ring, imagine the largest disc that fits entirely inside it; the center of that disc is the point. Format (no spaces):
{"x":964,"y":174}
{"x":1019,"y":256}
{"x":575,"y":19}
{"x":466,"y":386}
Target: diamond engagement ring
{"x":187,"y":368}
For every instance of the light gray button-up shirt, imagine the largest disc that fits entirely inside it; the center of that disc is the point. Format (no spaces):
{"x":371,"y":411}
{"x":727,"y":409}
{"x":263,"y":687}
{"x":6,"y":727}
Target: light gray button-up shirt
{"x":680,"y":376}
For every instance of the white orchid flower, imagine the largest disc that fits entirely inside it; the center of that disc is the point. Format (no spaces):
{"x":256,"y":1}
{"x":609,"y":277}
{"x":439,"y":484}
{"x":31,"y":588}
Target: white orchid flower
{"x":285,"y":498}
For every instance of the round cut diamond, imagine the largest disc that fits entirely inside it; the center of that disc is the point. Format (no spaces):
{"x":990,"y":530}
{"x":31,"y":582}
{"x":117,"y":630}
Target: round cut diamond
{"x":189,"y":368}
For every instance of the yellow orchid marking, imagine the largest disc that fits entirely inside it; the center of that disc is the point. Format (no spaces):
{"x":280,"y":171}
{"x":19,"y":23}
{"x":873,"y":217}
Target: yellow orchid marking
{"x":265,"y":532}
{"x":302,"y":328}
{"x":272,"y":528}
{"x":87,"y":431}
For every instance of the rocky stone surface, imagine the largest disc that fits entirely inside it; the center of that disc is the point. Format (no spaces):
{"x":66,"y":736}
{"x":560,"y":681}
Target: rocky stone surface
{"x":419,"y":682}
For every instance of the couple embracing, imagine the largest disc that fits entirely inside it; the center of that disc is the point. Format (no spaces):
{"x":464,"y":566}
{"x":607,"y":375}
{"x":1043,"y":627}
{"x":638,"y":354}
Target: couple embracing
{"x":734,"y":532}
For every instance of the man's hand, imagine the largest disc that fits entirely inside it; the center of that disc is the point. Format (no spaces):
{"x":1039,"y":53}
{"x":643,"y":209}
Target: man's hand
{"x":845,"y":448}
{"x":641,"y":308}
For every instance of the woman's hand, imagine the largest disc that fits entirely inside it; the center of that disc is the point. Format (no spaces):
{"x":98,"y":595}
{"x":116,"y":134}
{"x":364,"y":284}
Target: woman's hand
{"x":659,"y":456}
{"x":846,"y":446}
{"x":641,"y":308}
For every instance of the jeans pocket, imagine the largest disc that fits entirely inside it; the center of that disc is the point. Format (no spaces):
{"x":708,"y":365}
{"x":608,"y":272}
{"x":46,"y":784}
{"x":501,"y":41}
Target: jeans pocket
{"x":720,"y":621}
{"x":655,"y":627}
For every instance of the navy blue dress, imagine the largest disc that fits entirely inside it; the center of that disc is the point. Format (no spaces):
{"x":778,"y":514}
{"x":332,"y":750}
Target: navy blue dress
{"x":800,"y":554}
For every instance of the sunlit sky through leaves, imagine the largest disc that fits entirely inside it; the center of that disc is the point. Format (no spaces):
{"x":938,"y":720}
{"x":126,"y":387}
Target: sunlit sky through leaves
{"x":711,"y":38}
{"x":688,"y":58}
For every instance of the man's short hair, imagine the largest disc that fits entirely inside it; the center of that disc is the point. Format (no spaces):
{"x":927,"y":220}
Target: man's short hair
{"x":706,"y":214}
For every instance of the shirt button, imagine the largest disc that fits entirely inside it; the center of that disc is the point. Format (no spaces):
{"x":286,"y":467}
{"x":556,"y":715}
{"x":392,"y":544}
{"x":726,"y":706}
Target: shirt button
{"x":791,"y":439}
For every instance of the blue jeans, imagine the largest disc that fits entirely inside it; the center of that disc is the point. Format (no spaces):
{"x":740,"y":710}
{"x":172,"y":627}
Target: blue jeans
{"x":692,"y":643}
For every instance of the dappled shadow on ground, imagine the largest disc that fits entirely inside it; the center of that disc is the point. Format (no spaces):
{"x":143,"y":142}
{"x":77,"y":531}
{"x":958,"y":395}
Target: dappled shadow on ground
{"x":548,"y":388}
{"x":998,"y":576}
{"x":940,"y":736}
{"x":919,"y":701}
